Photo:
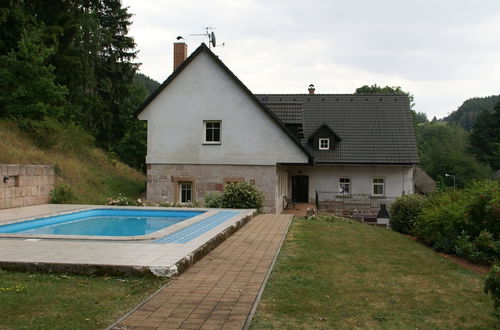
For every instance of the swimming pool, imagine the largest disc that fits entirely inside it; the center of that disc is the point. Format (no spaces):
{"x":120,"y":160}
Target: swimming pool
{"x":127,"y":223}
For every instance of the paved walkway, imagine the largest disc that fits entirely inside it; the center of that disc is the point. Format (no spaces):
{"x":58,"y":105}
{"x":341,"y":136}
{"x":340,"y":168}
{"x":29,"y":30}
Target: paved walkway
{"x":300,"y":209}
{"x":220,"y":290}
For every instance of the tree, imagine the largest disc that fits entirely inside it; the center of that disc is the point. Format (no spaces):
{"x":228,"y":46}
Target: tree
{"x":375,"y":89}
{"x":132,"y":146}
{"x":466,"y":115}
{"x":443,"y":150}
{"x":485,"y":137}
{"x":27,"y":87}
{"x":418,"y":117}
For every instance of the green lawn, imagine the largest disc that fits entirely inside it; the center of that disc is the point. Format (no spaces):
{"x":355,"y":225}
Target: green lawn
{"x":343,"y":274}
{"x":49,"y":301}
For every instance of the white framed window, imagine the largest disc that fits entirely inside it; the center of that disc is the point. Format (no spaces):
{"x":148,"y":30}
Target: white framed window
{"x":212,"y":131}
{"x":185,"y":192}
{"x":324,"y":144}
{"x":345,"y":185}
{"x":378,"y":187}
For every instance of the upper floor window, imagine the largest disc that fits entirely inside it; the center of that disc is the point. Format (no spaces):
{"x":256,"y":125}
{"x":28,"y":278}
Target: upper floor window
{"x":324,"y":144}
{"x":378,"y":186}
{"x":212,"y":131}
{"x":345,"y":185}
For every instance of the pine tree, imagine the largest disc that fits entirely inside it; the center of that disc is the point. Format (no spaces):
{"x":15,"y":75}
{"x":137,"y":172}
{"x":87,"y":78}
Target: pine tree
{"x":27,"y":87}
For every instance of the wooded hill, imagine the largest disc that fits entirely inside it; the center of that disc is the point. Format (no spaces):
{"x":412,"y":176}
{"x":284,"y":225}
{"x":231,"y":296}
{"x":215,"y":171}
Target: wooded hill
{"x":465,"y":116}
{"x":70,"y":63}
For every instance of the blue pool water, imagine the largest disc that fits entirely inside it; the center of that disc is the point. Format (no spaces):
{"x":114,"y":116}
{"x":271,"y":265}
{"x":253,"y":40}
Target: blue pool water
{"x":194,"y":230}
{"x":102,"y":222}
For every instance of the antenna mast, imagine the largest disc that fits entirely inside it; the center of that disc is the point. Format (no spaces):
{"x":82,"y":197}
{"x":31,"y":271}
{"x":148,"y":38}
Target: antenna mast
{"x":210,"y":35}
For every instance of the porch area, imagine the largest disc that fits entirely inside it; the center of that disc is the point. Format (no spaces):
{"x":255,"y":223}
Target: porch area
{"x":299,"y":210}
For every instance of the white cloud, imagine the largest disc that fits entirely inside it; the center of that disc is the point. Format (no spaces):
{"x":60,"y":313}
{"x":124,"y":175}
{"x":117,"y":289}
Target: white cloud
{"x":443,"y":52}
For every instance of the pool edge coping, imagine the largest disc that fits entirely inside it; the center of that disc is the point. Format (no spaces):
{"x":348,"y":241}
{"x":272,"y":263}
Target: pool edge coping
{"x":155,"y":235}
{"x":166,"y":271}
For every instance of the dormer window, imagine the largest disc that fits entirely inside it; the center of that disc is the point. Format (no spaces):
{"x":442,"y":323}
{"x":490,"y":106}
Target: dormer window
{"x":323,"y":138}
{"x":324,"y":144}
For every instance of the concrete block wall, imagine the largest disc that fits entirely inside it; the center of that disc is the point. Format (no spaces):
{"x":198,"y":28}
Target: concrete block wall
{"x":163,"y":180}
{"x":26,"y":185}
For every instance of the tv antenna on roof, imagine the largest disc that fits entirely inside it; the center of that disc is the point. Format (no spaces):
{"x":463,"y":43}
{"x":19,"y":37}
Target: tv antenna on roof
{"x":212,"y":42}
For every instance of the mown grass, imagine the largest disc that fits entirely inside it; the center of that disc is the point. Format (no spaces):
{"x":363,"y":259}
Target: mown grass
{"x":50,"y":301}
{"x":343,"y":274}
{"x":91,"y":174}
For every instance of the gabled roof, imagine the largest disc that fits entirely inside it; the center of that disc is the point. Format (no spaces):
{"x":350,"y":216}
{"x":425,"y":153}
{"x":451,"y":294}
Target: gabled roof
{"x":327,"y":128}
{"x":204,"y":48}
{"x":374,"y":128}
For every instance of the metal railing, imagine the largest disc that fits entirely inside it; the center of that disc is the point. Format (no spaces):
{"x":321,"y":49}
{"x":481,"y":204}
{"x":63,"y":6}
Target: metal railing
{"x":343,"y":198}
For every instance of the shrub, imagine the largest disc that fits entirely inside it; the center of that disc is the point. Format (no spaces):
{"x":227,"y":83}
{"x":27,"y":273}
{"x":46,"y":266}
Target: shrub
{"x":483,"y":249}
{"x":122,"y":201}
{"x":405,"y":211}
{"x":62,"y":194}
{"x":442,"y":220}
{"x":178,"y":204}
{"x":483,"y":209}
{"x":492,"y":285}
{"x":213,"y":199}
{"x":466,"y":222}
{"x":242,"y":195}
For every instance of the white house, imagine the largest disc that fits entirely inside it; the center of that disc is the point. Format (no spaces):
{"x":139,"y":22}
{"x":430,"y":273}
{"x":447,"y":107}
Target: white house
{"x":205,"y":129}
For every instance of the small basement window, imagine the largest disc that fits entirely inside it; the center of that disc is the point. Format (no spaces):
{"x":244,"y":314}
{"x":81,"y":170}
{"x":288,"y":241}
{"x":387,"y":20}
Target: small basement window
{"x":186,"y":192}
{"x":212,"y":131}
{"x":378,"y":186}
{"x":324,"y":144}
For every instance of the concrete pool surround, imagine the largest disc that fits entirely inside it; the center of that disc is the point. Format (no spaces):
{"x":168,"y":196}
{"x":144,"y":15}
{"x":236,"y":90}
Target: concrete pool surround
{"x":158,"y":254}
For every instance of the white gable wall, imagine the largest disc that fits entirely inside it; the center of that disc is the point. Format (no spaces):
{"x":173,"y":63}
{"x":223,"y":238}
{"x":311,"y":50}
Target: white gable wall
{"x":204,"y":91}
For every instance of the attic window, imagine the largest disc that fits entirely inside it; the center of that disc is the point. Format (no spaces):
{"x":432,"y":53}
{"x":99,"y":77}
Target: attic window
{"x":324,"y":144}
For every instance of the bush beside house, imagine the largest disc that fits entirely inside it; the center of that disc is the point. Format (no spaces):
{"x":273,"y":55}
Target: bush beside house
{"x":405,"y":211}
{"x":242,"y":195}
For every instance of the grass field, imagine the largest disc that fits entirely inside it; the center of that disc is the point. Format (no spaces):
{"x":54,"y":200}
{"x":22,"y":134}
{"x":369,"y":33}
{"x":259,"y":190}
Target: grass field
{"x":50,"y":301}
{"x":343,"y":274}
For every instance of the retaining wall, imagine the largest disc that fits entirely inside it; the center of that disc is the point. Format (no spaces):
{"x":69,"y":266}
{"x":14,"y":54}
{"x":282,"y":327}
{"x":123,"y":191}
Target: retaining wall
{"x":23,"y":185}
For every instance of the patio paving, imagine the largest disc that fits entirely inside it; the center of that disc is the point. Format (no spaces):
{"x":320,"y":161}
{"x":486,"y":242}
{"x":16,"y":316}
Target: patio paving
{"x":222,"y":289}
{"x":94,"y":257}
{"x":300,"y":209}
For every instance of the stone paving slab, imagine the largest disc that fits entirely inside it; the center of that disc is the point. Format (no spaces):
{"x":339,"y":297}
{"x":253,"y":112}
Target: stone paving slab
{"x":91,"y":257}
{"x":220,"y":290}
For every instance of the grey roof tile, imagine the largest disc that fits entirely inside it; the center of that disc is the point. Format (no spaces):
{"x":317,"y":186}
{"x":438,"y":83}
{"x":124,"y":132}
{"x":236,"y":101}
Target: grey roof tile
{"x":374,"y":128}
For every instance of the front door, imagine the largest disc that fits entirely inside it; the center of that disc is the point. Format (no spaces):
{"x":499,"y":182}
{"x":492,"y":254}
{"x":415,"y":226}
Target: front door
{"x":300,"y":188}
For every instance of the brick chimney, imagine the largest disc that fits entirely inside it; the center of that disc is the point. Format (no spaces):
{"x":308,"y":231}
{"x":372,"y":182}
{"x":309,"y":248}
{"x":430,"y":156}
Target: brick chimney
{"x":180,"y":53}
{"x":311,"y":89}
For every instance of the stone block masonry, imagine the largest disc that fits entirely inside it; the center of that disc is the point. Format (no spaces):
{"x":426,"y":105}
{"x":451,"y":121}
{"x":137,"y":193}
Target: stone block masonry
{"x":163,"y":180}
{"x":24,"y":185}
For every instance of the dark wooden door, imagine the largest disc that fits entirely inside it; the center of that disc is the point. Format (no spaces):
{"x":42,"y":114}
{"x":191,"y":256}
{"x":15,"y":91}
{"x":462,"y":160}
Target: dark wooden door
{"x":300,"y":188}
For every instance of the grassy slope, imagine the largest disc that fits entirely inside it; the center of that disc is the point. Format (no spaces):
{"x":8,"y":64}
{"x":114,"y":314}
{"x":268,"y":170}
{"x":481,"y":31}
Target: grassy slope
{"x":92,"y":174}
{"x":348,"y":275}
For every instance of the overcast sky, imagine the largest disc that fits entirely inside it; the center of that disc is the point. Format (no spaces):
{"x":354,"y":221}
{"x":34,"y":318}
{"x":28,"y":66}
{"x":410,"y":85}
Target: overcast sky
{"x":443,"y":52}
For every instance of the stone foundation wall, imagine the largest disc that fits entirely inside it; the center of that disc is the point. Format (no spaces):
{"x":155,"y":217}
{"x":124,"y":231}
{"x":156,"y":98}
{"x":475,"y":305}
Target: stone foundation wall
{"x":23,"y":185}
{"x":163,"y":180}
